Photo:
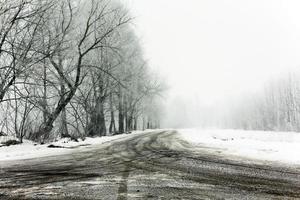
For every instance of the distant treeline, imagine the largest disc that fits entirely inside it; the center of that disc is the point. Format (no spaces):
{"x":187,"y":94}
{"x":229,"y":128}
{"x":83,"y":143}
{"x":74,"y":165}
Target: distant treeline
{"x":276,"y":108}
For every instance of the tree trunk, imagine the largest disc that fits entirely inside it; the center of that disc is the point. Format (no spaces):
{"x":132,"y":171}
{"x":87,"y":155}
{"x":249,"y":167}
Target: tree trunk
{"x":45,"y":93}
{"x":63,"y":125}
{"x":144,"y":123}
{"x":121,"y":114}
{"x":112,"y":126}
{"x":45,"y":129}
{"x":97,"y":125}
{"x":135,"y":123}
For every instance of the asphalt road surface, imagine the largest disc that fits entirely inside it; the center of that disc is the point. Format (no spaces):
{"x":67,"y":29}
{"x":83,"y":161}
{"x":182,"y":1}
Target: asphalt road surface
{"x":155,"y":165}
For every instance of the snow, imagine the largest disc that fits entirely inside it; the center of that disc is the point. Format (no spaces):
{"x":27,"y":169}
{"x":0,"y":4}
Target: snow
{"x":283,"y":147}
{"x":29,"y":149}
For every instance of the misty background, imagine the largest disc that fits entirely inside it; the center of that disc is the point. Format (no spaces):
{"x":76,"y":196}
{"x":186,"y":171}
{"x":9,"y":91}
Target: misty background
{"x":147,"y":64}
{"x":220,"y":57}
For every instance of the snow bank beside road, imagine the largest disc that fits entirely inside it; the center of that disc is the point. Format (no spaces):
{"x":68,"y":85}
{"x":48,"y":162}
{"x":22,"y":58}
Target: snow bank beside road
{"x":263,"y":145}
{"x":29,"y":149}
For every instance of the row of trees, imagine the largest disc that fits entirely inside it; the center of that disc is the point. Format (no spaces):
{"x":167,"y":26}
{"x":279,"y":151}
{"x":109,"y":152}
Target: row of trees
{"x":276,"y":108}
{"x":72,"y":68}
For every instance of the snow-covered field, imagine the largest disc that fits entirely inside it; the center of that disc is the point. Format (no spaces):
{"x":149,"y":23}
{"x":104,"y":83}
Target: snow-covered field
{"x":30,"y":149}
{"x":281,"y":147}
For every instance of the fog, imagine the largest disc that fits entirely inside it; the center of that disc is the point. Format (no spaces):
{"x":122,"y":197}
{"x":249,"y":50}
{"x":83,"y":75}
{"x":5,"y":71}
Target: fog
{"x":214,"y":54}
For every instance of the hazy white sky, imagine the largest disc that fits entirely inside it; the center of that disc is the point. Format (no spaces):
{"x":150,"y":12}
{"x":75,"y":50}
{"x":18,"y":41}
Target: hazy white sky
{"x":215,"y":49}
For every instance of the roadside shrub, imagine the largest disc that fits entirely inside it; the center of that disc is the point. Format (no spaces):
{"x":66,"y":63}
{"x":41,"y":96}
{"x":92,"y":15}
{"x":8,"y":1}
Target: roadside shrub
{"x":2,"y":133}
{"x":54,"y":146}
{"x":11,"y":142}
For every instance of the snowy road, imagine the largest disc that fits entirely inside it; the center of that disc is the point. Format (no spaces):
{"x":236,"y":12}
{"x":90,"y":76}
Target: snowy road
{"x":155,"y":165}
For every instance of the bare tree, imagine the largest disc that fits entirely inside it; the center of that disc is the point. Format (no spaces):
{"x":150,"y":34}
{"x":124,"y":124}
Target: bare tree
{"x":71,"y":67}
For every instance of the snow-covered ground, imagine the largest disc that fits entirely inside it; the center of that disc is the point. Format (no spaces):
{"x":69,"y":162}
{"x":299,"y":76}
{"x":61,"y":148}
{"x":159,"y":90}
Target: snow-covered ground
{"x":267,"y":146}
{"x":29,"y":149}
{"x":263,"y":145}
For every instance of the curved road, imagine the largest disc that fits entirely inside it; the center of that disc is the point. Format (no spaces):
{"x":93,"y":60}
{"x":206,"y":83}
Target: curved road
{"x":155,"y":165}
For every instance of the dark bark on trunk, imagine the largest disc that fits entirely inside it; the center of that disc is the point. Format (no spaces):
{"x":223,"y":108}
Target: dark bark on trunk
{"x":149,"y":124}
{"x":64,"y":126}
{"x":4,"y":89}
{"x":126,"y":116}
{"x":121,"y":112}
{"x":126,"y":123}
{"x":135,"y":123}
{"x":45,"y":94}
{"x":97,"y":125}
{"x":129,"y":121}
{"x":112,"y":126}
{"x":47,"y":127}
